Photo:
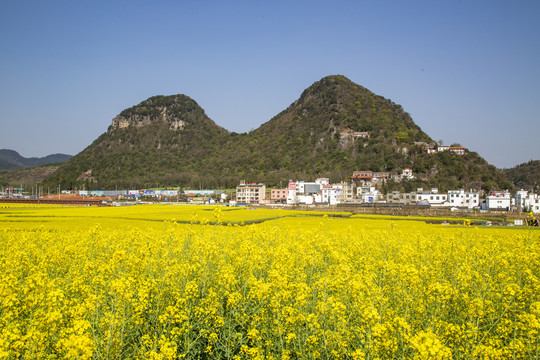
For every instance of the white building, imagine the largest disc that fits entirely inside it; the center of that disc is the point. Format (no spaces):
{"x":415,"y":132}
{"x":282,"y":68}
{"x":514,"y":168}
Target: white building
{"x":527,"y":202}
{"x":534,"y":203}
{"x":521,"y":199}
{"x":305,"y":199}
{"x":433,"y":198}
{"x":407,"y":174}
{"x":307,"y":188}
{"x":500,"y":201}
{"x":462,"y":199}
{"x":322,"y":181}
{"x":329,"y":195}
{"x":291,"y":195}
{"x":368,"y":194}
{"x":301,"y":192}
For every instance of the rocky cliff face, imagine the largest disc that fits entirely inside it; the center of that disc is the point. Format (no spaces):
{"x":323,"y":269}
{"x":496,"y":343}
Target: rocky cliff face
{"x":140,"y":120}
{"x":176,"y":111}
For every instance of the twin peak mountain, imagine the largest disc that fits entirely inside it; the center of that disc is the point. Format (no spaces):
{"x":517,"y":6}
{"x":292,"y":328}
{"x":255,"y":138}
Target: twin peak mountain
{"x":334,"y":128}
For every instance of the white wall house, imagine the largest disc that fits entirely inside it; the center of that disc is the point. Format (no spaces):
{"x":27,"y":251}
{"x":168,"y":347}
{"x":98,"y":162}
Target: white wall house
{"x":407,"y":174}
{"x":335,"y":194}
{"x":330,"y":194}
{"x":301,"y":192}
{"x":462,"y":199}
{"x":527,"y":202}
{"x":397,"y":197}
{"x":291,"y":195}
{"x":500,"y":201}
{"x":534,"y":203}
{"x":433,"y":198}
{"x":521,"y":199}
{"x":305,"y":199}
{"x":368,"y":194}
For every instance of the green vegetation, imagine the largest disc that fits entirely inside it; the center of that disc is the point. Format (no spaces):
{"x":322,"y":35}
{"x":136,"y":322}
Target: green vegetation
{"x":27,"y":178}
{"x":525,"y":176}
{"x":169,"y":141}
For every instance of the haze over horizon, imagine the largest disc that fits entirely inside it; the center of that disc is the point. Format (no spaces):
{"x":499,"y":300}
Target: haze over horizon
{"x":466,"y":72}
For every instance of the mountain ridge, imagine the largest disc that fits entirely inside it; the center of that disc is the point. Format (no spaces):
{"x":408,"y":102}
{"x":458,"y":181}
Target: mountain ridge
{"x":11,"y":159}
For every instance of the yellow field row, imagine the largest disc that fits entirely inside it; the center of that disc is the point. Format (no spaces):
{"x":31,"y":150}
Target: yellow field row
{"x":168,"y":282}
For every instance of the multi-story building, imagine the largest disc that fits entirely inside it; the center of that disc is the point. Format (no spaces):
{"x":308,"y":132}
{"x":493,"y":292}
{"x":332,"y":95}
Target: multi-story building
{"x":363,"y":175}
{"x":419,"y":197}
{"x":335,"y":193}
{"x":279,"y":195}
{"x":521,"y":199}
{"x":534,"y":203}
{"x":307,"y":188}
{"x":346,"y":193}
{"x":329,"y":195}
{"x":396,"y":197}
{"x":250,"y":193}
{"x":527,"y":202}
{"x":498,"y":200}
{"x":458,"y":150}
{"x":380,"y":176}
{"x":434,"y":148}
{"x":367,"y":176}
{"x":432,"y":197}
{"x":368,"y":194}
{"x":462,"y":199}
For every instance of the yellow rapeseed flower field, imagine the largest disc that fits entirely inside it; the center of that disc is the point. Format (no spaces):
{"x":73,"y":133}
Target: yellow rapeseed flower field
{"x":169,"y":282}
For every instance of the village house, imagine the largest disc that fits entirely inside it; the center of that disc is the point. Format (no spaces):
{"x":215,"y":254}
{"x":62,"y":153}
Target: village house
{"x":363,"y":175}
{"x":301,"y":192}
{"x":368,"y":194}
{"x":433,"y":197}
{"x":420,"y":197}
{"x":396,"y":197}
{"x":407,"y":174}
{"x":355,"y":134}
{"x":368,"y":177}
{"x":279,"y":195}
{"x":363,"y":134}
{"x":434,"y":148}
{"x":320,"y":191}
{"x":380,"y":176}
{"x":462,"y":199}
{"x":250,"y":193}
{"x":458,"y":150}
{"x":527,"y":202}
{"x":498,"y":201}
{"x":430,"y":148}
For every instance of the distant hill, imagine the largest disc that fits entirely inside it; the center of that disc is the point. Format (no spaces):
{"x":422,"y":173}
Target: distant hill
{"x":525,"y":176}
{"x":10,"y":159}
{"x":27,"y":177}
{"x":334,"y":128}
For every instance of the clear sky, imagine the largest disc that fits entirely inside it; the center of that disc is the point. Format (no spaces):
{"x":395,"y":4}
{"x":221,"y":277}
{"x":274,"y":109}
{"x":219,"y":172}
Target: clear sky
{"x":468,"y":72}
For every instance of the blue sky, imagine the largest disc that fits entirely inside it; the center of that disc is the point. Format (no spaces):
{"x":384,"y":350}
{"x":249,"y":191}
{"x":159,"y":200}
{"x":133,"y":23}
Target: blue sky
{"x":468,"y":72}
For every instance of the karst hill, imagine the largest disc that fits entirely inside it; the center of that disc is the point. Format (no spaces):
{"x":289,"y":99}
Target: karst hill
{"x":334,"y":128}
